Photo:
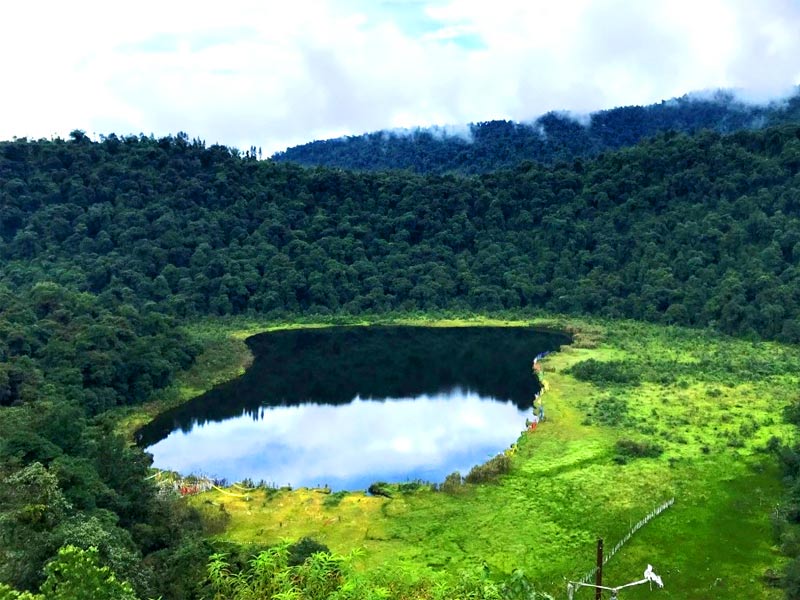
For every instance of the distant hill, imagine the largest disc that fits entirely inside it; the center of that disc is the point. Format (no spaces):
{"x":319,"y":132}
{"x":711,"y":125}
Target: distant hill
{"x":487,"y":146}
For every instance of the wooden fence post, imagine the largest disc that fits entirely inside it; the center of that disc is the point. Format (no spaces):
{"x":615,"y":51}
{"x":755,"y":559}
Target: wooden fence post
{"x":598,"y":578}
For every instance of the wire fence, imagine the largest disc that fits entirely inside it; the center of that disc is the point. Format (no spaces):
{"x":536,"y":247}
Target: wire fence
{"x":644,"y":521}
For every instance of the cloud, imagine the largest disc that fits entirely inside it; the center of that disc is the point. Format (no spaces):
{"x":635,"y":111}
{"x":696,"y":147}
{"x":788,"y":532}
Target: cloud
{"x":277,"y":74}
{"x":438,"y":132}
{"x":350,"y":445}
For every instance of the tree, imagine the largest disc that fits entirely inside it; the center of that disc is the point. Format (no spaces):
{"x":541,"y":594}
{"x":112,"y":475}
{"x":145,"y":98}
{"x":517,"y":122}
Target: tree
{"x":76,"y":575}
{"x":31,"y":508}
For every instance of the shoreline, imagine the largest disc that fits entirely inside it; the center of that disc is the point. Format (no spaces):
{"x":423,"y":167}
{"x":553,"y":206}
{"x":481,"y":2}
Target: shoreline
{"x":226,"y":355}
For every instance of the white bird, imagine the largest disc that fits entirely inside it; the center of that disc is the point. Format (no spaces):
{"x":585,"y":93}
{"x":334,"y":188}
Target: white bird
{"x":650,"y":576}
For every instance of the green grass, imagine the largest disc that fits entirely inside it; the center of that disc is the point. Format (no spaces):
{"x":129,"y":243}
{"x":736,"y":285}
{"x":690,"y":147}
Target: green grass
{"x":709,"y":402}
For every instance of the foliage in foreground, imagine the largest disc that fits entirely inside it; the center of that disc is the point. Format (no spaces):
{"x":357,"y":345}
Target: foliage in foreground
{"x":328,"y":576}
{"x":76,"y":574}
{"x":66,"y":476}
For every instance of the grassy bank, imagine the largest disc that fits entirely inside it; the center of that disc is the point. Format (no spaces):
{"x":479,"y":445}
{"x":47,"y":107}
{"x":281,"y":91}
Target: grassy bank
{"x":224,"y":356}
{"x":650,"y":413}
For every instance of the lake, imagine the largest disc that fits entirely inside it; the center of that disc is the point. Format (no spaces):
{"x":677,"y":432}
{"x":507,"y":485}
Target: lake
{"x":348,"y":406}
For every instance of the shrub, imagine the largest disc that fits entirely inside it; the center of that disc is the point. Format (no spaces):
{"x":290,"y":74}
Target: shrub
{"x":791,"y":579}
{"x":380,"y":488}
{"x":610,"y":372}
{"x":453,"y":483}
{"x":734,"y":441}
{"x":642,"y":449}
{"x":611,"y":411}
{"x":490,"y":470}
{"x":334,"y":499}
{"x":792,"y":412}
{"x":213,"y":517}
{"x":77,"y":573}
{"x":410,"y":486}
{"x":302,"y":549}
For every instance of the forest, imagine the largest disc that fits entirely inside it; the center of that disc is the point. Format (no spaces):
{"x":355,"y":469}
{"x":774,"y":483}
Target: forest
{"x":107,"y":249}
{"x":692,"y":230}
{"x":556,"y":136}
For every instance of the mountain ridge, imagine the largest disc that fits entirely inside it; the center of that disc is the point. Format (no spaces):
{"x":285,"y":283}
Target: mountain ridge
{"x":485,"y":146}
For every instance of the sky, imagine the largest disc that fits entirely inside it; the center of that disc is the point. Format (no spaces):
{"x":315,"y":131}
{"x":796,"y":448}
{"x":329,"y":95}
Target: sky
{"x":274,"y":74}
{"x":399,"y":439}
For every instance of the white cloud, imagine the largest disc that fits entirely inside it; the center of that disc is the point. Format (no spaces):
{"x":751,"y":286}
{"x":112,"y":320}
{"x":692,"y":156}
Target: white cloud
{"x":273,"y":74}
{"x":360,"y":441}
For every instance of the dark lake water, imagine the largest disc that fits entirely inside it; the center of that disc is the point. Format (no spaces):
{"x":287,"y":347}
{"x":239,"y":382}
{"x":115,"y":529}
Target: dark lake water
{"x":347,"y":406}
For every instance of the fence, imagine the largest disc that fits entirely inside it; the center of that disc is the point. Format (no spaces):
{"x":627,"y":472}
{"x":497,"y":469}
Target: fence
{"x":644,"y":521}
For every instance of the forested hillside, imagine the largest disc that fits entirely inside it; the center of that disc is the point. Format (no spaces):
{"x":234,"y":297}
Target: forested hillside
{"x":488,"y":146}
{"x":700,"y":231}
{"x":67,"y":477}
{"x":106,"y":247}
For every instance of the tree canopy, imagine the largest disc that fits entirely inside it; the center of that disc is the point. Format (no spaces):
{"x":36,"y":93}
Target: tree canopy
{"x":694,"y":230}
{"x":556,"y":136}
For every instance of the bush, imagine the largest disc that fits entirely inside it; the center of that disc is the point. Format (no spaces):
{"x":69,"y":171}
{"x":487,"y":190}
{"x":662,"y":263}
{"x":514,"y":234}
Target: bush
{"x":611,"y":372}
{"x":734,"y":441}
{"x":610,"y":411}
{"x":642,"y":449}
{"x":792,"y":412}
{"x":453,"y":483}
{"x":214,"y":518}
{"x":380,"y":488}
{"x":489,"y":471}
{"x":791,"y":579}
{"x":411,"y":486}
{"x":302,"y":549}
{"x":334,"y":499}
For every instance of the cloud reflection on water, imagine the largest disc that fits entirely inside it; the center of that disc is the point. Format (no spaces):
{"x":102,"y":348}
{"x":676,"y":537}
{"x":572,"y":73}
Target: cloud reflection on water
{"x":350,"y":445}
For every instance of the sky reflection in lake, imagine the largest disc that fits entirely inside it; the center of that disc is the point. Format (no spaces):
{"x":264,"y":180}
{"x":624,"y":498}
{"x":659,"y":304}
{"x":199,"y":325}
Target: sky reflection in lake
{"x":348,"y":446}
{"x":347,"y":406}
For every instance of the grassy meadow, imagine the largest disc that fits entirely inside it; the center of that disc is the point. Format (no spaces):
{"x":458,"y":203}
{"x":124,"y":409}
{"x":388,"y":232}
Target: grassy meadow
{"x":636,"y":415}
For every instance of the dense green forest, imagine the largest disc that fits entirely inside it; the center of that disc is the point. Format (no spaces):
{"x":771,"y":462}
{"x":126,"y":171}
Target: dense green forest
{"x":697,"y":230}
{"x":491,"y":145}
{"x":107,"y":247}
